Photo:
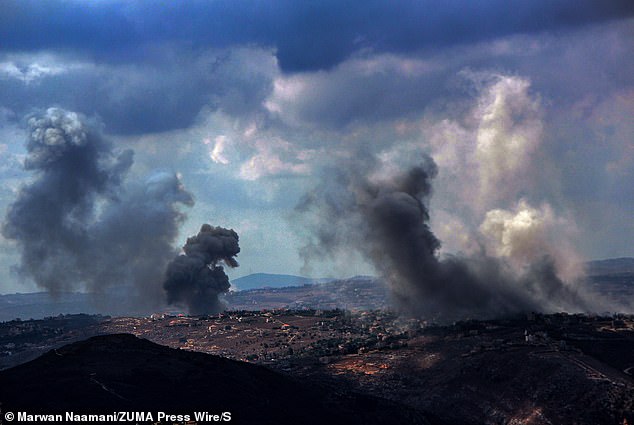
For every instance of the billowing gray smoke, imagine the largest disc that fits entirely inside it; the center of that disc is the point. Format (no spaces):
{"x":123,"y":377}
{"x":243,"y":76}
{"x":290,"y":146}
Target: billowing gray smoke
{"x":196,"y":278}
{"x":79,"y":228}
{"x":386,"y":220}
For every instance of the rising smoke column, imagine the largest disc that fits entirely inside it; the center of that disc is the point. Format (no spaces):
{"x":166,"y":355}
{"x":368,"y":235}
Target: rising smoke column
{"x":78,"y":227}
{"x":518,"y":256}
{"x":196,"y":278}
{"x":386,"y":220}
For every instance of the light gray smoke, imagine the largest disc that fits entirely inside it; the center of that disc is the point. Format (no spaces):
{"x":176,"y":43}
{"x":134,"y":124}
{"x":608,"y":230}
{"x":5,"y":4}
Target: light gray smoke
{"x":386,"y":220}
{"x":78,"y":228}
{"x":196,"y":278}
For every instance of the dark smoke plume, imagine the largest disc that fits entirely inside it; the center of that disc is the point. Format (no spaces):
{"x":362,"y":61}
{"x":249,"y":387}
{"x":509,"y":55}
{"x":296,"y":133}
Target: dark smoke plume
{"x":196,"y":278}
{"x":386,"y":220}
{"x":78,"y":228}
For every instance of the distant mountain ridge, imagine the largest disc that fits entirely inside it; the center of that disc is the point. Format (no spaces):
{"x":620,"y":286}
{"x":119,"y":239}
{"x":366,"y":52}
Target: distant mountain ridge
{"x":40,"y":304}
{"x":270,"y":280}
{"x":610,"y":265}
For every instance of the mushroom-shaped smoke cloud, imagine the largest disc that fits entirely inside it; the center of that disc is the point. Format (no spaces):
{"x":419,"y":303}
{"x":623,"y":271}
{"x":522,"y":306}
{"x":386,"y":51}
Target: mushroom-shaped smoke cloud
{"x":196,"y":278}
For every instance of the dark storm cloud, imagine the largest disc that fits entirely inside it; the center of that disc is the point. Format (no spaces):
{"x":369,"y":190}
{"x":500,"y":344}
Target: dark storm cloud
{"x":129,"y":105}
{"x":387,"y":221}
{"x":307,"y":35}
{"x":77,"y":226}
{"x":360,"y":91}
{"x":196,"y":278}
{"x":185,"y":57}
{"x":163,"y":94}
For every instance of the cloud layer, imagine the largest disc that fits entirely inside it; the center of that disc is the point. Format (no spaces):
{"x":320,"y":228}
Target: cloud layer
{"x":526,"y":114}
{"x":306,"y":37}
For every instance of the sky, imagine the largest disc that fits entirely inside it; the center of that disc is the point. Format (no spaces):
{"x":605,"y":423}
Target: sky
{"x":525,"y":107}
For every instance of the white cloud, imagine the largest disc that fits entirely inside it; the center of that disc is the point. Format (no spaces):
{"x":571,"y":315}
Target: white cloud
{"x":31,"y":69}
{"x":268,"y":160}
{"x":217,"y":152}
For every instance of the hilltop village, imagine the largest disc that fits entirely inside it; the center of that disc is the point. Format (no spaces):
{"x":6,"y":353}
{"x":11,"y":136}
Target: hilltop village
{"x":537,"y":363}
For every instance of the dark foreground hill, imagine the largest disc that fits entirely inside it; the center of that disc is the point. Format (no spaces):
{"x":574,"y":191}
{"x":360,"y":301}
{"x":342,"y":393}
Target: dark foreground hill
{"x":124,"y":373}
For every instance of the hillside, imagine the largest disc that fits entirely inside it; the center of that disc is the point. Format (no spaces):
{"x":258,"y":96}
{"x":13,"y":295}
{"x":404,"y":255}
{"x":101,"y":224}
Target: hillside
{"x":613,"y":278}
{"x":121,"y":372}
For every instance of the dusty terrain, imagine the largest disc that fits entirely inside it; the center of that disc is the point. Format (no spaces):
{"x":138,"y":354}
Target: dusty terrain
{"x":537,"y":369}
